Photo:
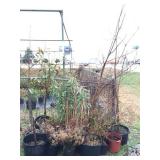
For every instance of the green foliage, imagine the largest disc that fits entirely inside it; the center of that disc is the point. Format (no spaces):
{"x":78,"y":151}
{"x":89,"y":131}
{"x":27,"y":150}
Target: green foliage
{"x":134,"y":136}
{"x":70,"y":96}
{"x":97,"y":123}
{"x":33,"y":93}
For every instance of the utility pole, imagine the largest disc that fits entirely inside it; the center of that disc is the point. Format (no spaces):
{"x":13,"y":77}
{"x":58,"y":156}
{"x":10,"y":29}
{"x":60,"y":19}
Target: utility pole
{"x":62,"y":25}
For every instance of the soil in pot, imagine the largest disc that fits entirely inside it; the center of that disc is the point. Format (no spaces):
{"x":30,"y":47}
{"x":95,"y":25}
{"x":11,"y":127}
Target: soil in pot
{"x":114,"y":140}
{"x":41,"y":147}
{"x":123,"y":130}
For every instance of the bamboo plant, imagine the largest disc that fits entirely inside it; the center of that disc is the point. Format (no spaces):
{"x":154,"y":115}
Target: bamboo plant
{"x":71,"y":100}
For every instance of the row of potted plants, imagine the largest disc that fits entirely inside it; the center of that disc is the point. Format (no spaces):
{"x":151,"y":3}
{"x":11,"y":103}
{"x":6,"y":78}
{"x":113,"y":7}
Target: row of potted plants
{"x":55,"y":140}
{"x":40,"y":100}
{"x":76,"y":127}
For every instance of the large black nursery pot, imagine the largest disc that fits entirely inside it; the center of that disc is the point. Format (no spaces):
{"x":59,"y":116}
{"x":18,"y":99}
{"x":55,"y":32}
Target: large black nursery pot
{"x":21,"y":101}
{"x":69,"y":149}
{"x":33,"y":103}
{"x":41,"y":118}
{"x":40,"y":149}
{"x":38,"y":120}
{"x":123,"y":130}
{"x":104,"y":148}
{"x":53,"y":149}
{"x":41,"y":100}
{"x":87,"y":150}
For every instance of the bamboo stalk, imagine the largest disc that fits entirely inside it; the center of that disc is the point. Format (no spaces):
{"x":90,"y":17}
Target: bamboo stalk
{"x":81,"y":113}
{"x":67,"y":109}
{"x":74,"y":110}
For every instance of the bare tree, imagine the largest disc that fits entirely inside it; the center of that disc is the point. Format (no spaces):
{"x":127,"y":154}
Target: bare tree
{"x":119,"y":55}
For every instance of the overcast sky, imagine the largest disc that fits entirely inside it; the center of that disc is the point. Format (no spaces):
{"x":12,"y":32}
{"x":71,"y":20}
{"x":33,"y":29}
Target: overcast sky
{"x":89,"y":23}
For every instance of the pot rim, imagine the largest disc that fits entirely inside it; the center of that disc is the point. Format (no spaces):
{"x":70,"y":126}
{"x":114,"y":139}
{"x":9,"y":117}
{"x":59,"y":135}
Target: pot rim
{"x":31,"y":134}
{"x":123,"y":126}
{"x":116,"y":134}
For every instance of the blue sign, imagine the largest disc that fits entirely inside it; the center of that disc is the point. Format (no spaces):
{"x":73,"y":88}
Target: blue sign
{"x":67,"y":49}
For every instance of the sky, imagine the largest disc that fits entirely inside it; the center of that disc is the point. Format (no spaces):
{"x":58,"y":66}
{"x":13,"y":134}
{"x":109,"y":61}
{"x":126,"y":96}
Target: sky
{"x":89,"y":23}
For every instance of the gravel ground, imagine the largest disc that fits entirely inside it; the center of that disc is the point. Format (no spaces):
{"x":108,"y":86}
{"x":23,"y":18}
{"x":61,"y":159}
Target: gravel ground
{"x":134,"y":151}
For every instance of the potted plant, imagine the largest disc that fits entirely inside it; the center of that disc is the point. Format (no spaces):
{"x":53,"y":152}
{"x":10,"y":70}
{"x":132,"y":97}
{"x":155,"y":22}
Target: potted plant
{"x":38,"y":85}
{"x":33,"y":93}
{"x":114,"y":141}
{"x":38,"y":148}
{"x":94,"y":143}
{"x":23,"y":98}
{"x":123,"y":130}
{"x":49,"y":129}
{"x":41,"y":96}
{"x":45,"y":81}
{"x":35,"y":143}
{"x":41,"y":100}
{"x":91,"y":146}
{"x":33,"y":99}
{"x":68,"y":147}
{"x":72,"y":138}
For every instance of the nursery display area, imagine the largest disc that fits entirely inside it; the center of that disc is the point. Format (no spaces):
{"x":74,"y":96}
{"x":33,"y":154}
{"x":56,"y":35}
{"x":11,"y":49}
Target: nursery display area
{"x":71,"y":114}
{"x":77,"y":111}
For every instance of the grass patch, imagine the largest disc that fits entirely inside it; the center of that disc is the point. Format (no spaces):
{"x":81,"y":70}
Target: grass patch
{"x":134,"y":136}
{"x":132,"y":81}
{"x":21,"y":147}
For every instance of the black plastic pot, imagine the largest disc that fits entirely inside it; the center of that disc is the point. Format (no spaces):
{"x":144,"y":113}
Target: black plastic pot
{"x":104,"y":148}
{"x":39,"y":119}
{"x":86,"y":150}
{"x":123,"y":130}
{"x":69,"y":149}
{"x":60,"y":148}
{"x":41,"y":100}
{"x":35,"y":150}
{"x":52,"y":150}
{"x":33,"y":104}
{"x":21,"y":101}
